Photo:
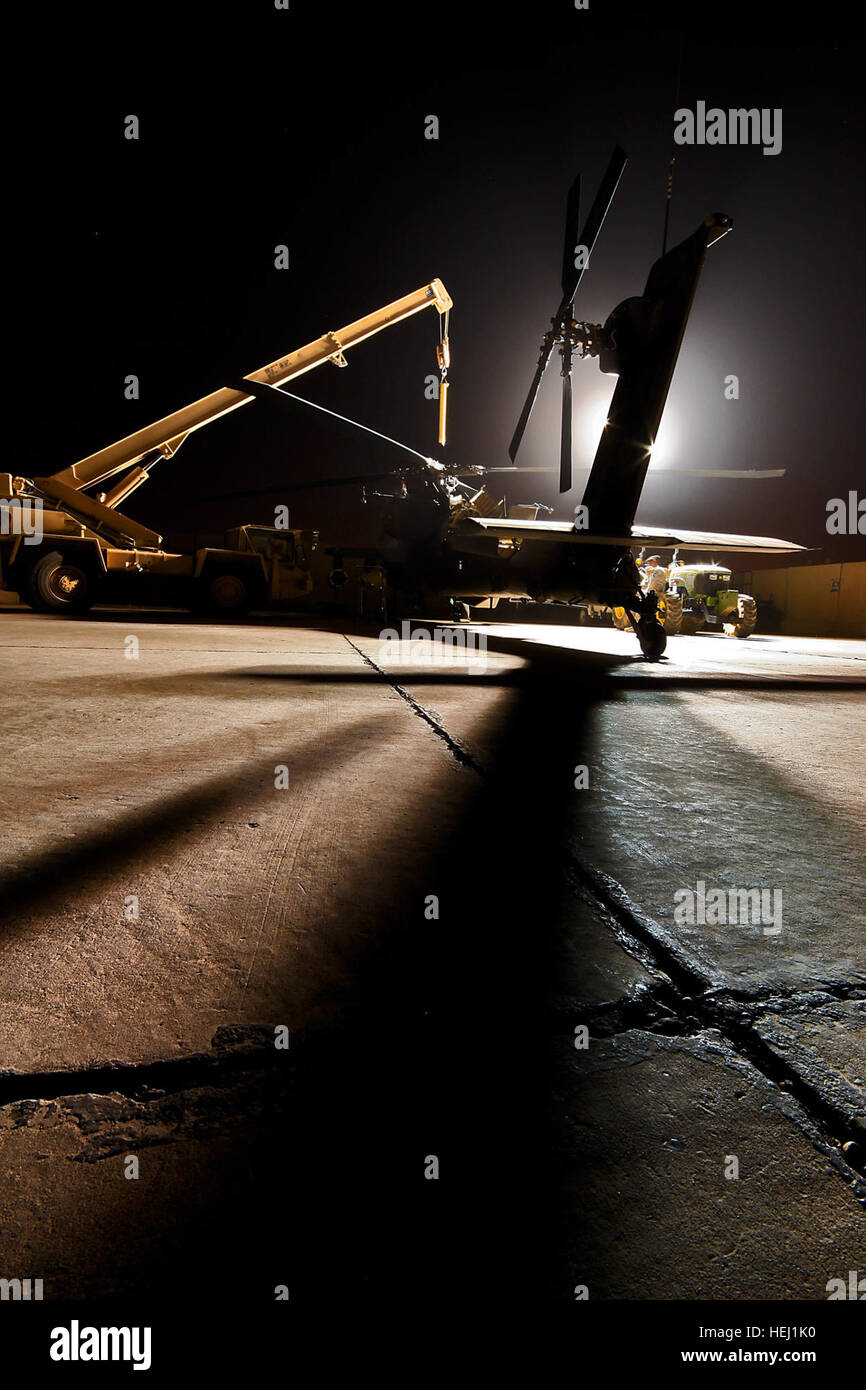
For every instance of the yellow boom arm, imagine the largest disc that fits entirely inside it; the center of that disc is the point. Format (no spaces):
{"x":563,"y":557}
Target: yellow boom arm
{"x":166,"y":436}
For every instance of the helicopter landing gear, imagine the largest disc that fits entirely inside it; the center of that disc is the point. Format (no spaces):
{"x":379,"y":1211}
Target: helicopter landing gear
{"x":652,"y":637}
{"x":643,"y":619}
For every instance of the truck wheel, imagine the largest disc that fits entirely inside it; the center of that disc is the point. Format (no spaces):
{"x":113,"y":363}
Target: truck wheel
{"x":671,"y":613}
{"x":747,"y":618}
{"x":58,"y":585}
{"x":621,"y":620}
{"x":225,"y":593}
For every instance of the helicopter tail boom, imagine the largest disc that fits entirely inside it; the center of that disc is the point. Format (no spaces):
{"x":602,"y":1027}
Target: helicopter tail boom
{"x":644,"y":336}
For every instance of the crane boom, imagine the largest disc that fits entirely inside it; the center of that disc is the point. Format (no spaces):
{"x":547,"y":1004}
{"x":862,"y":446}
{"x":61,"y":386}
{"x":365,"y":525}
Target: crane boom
{"x":166,"y":436}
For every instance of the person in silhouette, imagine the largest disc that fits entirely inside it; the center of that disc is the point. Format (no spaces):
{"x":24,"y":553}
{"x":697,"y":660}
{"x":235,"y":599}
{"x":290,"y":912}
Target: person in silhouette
{"x":655,"y":576}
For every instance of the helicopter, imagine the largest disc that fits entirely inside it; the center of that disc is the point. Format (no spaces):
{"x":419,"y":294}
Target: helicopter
{"x":445,"y":543}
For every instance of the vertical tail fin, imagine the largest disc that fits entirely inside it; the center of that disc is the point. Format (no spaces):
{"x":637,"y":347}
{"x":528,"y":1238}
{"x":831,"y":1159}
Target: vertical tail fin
{"x":646,"y":336}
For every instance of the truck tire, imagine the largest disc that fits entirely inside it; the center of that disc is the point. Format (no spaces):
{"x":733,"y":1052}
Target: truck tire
{"x":226,"y":593}
{"x":747,"y":618}
{"x":621,"y":620}
{"x":58,"y":585}
{"x":672,"y":614}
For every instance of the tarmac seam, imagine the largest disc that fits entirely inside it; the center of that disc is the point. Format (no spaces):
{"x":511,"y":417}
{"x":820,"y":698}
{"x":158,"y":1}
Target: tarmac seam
{"x":234,"y":1050}
{"x":669,"y":1009}
{"x":682,"y":1001}
{"x":457,"y":751}
{"x":709,"y":1042}
{"x":685,"y":990}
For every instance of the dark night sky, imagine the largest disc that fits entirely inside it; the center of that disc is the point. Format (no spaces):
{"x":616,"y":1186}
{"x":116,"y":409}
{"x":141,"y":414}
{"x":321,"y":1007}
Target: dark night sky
{"x":262,"y":127}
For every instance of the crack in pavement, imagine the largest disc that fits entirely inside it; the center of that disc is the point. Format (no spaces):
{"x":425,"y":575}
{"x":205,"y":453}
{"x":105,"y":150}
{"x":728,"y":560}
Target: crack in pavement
{"x":686,"y":998}
{"x":233,"y":1049}
{"x":683,"y":1001}
{"x":635,"y":1046}
{"x":668,"y":1008}
{"x":454,"y":746}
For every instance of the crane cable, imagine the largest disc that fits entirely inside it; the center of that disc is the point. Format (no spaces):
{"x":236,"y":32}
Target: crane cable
{"x":348,"y":421}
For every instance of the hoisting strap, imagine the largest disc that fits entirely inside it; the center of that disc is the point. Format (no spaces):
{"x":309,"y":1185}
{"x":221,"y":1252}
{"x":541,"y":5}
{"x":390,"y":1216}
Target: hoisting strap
{"x":256,"y":388}
{"x":443,"y":357}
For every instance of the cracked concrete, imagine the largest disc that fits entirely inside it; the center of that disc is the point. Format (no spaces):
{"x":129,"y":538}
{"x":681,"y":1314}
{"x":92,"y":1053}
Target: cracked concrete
{"x":151,"y":1035}
{"x":825,"y":1043}
{"x":661,"y":1119}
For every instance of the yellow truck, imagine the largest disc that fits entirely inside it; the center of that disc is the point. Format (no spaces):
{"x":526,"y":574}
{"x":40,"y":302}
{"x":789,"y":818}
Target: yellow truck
{"x":63,"y":549}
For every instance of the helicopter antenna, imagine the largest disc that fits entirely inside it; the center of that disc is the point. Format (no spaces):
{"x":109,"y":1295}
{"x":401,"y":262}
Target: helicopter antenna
{"x":673,"y":159}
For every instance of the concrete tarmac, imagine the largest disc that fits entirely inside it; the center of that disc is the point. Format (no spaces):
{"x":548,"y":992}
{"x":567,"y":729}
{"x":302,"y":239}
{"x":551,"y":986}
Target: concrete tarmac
{"x":435,"y":865}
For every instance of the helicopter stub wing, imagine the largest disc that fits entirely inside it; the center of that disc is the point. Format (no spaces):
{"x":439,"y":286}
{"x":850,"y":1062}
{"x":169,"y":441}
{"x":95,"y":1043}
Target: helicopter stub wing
{"x":564,"y":532}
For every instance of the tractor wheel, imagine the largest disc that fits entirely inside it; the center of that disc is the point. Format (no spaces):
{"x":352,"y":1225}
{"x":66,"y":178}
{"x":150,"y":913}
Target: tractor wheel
{"x":689,"y":626}
{"x":621,"y":620}
{"x":671,"y":613}
{"x":652,"y":637}
{"x":747,"y":618}
{"x":225,"y":593}
{"x":58,"y":585}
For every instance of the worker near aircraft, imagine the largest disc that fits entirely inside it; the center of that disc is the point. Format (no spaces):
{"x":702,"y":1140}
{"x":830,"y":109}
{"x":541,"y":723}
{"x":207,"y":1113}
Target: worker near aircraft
{"x":655,"y":576}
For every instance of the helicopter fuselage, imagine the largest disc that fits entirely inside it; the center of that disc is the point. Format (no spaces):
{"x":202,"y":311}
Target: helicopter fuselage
{"x":431,"y":548}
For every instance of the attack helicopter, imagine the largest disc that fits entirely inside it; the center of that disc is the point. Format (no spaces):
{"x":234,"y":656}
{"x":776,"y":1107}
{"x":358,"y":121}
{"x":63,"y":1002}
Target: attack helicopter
{"x":445,"y":542}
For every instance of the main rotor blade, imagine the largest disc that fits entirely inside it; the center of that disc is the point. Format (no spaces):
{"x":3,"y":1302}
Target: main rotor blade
{"x":593,"y":224}
{"x":717,"y":472}
{"x":354,"y":481}
{"x":358,"y":479}
{"x":572,"y":274}
{"x":546,"y":350}
{"x":565,"y":435}
{"x":753,"y":473}
{"x":572,"y":221}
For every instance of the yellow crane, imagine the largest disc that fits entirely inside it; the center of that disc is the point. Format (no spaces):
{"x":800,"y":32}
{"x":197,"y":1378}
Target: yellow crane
{"x":86,"y":543}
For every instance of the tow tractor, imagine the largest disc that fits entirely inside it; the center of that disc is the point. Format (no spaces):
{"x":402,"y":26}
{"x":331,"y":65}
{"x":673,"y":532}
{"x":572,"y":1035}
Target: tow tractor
{"x":697,"y":596}
{"x":700,"y":596}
